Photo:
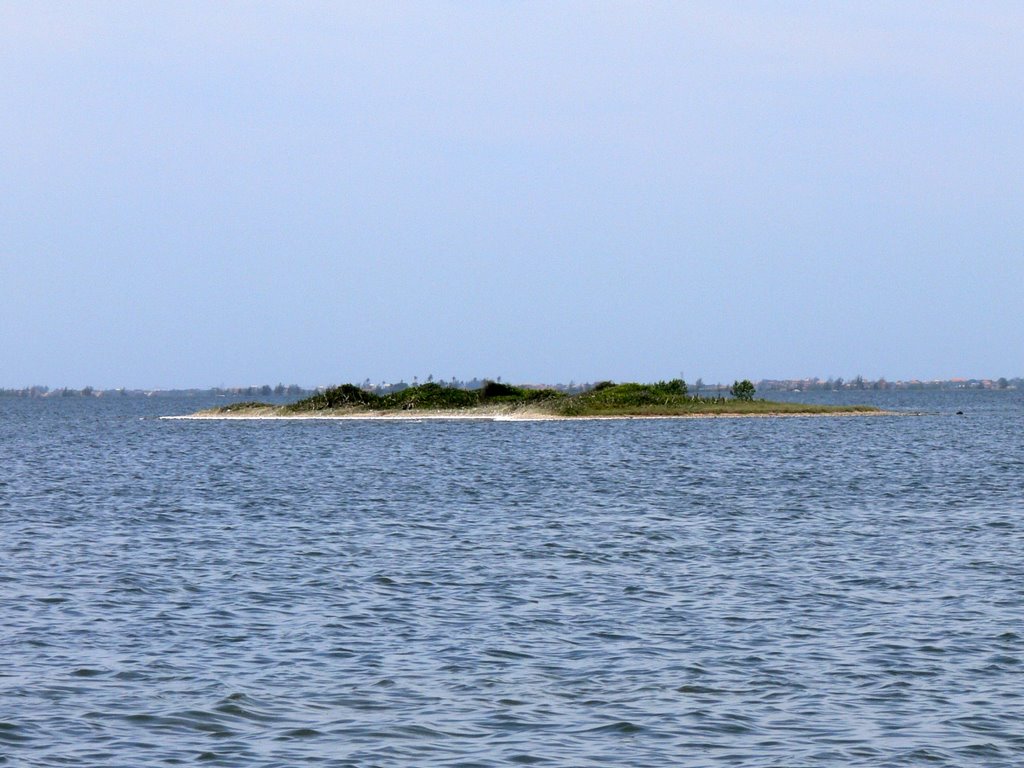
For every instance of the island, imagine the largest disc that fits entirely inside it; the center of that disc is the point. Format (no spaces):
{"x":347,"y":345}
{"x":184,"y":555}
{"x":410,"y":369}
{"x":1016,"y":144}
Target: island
{"x":497,"y":401}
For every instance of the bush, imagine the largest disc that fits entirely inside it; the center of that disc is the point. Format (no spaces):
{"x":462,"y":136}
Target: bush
{"x":539,"y":395}
{"x":630,"y":397}
{"x":743,"y":390}
{"x":349,"y":394}
{"x":493,"y":389}
{"x":430,"y":395}
{"x":337,"y":397}
{"x":674,"y":387}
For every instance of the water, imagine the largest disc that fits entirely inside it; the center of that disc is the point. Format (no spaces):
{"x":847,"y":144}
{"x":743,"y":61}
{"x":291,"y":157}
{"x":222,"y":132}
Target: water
{"x":758,"y":592}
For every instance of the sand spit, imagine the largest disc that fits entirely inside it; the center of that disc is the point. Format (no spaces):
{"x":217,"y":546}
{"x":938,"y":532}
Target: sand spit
{"x":500,"y":415}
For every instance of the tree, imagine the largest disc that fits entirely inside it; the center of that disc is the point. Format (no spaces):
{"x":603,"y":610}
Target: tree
{"x":743,"y":390}
{"x":674,"y":387}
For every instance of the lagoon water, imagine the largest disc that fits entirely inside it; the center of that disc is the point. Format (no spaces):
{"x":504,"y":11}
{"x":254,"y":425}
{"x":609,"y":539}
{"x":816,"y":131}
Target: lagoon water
{"x":755,"y":592}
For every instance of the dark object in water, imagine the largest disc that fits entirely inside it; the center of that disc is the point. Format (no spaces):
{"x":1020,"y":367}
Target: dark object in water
{"x":959,"y":413}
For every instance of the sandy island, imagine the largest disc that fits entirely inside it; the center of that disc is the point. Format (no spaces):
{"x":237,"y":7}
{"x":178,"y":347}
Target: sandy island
{"x":495,"y":401}
{"x":498,"y":414}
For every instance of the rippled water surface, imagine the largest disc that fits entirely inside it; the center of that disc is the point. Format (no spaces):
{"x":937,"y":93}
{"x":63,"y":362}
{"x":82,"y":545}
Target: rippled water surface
{"x":756,"y":592}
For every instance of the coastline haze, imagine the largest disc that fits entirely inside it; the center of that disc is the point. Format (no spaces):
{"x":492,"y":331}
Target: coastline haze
{"x":194,"y":195}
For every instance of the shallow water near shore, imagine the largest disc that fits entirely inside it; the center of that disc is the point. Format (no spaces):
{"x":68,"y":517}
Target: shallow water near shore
{"x":722,"y":592}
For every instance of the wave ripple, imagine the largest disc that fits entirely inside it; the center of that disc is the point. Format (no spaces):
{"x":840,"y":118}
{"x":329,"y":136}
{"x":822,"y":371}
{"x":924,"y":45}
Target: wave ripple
{"x":717,"y":593}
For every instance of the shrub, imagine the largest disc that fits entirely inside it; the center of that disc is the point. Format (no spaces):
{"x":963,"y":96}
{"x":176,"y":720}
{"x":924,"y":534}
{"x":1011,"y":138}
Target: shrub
{"x":337,"y":397}
{"x":662,"y":396}
{"x":743,"y":390}
{"x":493,"y":389}
{"x":537,"y":395}
{"x":349,"y":394}
{"x":430,"y":395}
{"x":674,"y":387}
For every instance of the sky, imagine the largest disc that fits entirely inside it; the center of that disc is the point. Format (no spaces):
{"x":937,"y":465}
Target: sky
{"x":234,"y":193}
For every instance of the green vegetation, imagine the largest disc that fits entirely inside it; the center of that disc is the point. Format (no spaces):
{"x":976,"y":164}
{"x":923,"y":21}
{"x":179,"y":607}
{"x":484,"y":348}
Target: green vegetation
{"x":662,"y":398}
{"x":429,"y":396}
{"x":495,"y":392}
{"x":609,"y":398}
{"x":743,"y":390}
{"x":336,"y":397}
{"x":670,"y":398}
{"x":248,"y":405}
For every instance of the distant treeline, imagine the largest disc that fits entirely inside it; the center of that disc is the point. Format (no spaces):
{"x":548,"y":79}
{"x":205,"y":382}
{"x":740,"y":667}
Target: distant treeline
{"x":573,"y":387}
{"x":291,"y":390}
{"x":860,"y":383}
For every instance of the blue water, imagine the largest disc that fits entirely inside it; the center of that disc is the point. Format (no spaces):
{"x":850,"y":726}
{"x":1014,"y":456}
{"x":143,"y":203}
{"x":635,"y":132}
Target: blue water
{"x":757,"y":592}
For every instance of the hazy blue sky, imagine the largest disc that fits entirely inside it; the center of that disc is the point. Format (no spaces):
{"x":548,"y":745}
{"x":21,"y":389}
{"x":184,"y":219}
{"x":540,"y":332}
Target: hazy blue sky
{"x":203,"y":193}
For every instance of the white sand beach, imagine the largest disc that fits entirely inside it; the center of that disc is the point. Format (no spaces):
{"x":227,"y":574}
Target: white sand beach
{"x":500,"y":415}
